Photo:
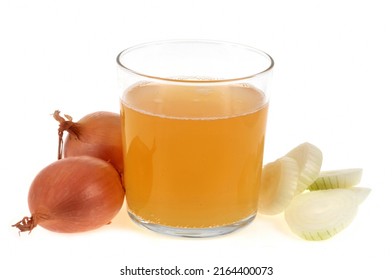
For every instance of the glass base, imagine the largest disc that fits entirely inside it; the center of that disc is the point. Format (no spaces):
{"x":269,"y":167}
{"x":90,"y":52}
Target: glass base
{"x":192,"y":232}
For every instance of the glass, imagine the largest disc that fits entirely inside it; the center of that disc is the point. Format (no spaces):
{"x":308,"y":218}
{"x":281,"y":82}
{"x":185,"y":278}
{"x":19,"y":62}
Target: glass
{"x":193,"y":122}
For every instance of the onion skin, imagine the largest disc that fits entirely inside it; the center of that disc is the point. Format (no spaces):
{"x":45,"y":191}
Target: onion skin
{"x":97,"y":134}
{"x":74,"y":194}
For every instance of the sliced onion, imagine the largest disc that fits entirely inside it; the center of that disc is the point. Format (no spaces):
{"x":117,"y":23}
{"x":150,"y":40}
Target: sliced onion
{"x":319,"y":215}
{"x":332,"y":179}
{"x":279,"y":181}
{"x":309,"y":159}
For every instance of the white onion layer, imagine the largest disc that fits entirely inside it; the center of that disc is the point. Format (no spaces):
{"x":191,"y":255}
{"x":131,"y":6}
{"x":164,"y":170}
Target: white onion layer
{"x":278,"y":185}
{"x":333,"y":179}
{"x":319,"y":215}
{"x":309,"y":159}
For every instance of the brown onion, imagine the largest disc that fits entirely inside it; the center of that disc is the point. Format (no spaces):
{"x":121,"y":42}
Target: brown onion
{"x":97,"y":134}
{"x":73,"y":195}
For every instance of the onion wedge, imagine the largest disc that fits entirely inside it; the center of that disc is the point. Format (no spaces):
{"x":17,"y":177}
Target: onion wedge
{"x":278,"y":185}
{"x":309,"y":159}
{"x":319,"y":215}
{"x":344,"y":178}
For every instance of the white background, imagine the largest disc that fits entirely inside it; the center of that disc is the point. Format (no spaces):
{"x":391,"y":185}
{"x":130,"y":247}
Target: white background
{"x":331,"y":87}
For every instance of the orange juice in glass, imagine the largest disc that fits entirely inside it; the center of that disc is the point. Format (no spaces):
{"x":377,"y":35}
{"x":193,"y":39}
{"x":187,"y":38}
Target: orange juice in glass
{"x":193,"y":121}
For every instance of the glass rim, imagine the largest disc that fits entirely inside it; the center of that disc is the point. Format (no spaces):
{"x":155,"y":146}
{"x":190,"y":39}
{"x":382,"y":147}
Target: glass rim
{"x":263,"y":70}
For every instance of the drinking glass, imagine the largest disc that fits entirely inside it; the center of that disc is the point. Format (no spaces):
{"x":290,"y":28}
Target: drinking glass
{"x":193,"y":125}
